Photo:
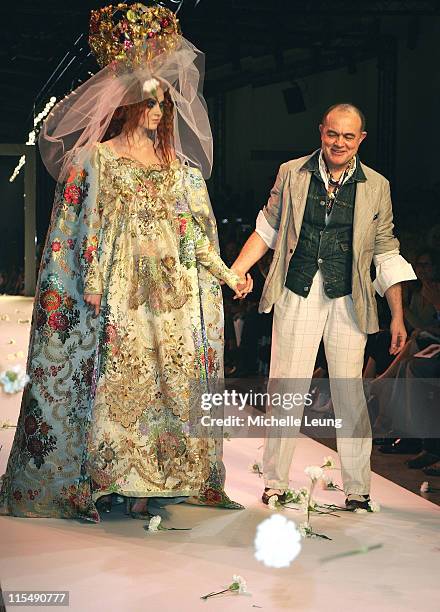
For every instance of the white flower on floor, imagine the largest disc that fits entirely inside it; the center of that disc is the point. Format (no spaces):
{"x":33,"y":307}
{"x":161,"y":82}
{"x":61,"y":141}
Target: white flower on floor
{"x":329,"y":463}
{"x":424,"y":487}
{"x":154,"y":523}
{"x":7,"y":425}
{"x":304,"y":529}
{"x":256,"y":468}
{"x":374,"y":506}
{"x":297,"y":497}
{"x":277,"y":541}
{"x":273,"y":502}
{"x":361,"y":511}
{"x":14,"y":379}
{"x":238,"y":584}
{"x":314,"y":472}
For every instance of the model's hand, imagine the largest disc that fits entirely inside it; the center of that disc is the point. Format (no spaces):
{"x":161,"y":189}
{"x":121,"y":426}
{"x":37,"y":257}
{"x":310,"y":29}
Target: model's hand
{"x":398,"y":335}
{"x":246,"y":284}
{"x":94,"y":301}
{"x":244,"y":287}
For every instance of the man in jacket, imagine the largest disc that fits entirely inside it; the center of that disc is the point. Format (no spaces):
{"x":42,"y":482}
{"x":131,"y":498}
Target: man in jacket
{"x":328,"y":217}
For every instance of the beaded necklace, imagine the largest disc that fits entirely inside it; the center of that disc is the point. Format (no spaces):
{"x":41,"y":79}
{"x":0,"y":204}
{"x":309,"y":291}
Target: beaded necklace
{"x":332,"y":195}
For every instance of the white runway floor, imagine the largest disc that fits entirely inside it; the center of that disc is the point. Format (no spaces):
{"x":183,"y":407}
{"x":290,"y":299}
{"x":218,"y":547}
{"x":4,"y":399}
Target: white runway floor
{"x":117,"y":566}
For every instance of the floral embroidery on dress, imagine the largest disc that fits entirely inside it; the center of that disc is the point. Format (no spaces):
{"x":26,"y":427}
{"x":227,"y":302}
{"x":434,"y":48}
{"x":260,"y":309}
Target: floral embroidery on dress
{"x":56,"y":310}
{"x":107,"y":406}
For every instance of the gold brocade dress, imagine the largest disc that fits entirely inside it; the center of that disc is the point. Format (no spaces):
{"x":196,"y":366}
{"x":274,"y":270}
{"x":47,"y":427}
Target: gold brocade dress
{"x":150,"y":246}
{"x":107,"y":405}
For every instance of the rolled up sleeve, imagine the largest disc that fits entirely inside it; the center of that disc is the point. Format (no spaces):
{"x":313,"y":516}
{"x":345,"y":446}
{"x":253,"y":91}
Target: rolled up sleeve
{"x":391,"y":268}
{"x":266,"y":231}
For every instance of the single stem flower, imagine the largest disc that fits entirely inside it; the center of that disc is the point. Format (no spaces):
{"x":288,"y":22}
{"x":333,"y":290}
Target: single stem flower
{"x":238,"y":585}
{"x":273,"y":502}
{"x":358,"y":551}
{"x":307,"y":531}
{"x":329,"y":463}
{"x":154,"y":524}
{"x":256,"y":468}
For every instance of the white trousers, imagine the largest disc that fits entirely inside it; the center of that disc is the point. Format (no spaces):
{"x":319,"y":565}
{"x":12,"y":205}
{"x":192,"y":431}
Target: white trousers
{"x":298,"y":326}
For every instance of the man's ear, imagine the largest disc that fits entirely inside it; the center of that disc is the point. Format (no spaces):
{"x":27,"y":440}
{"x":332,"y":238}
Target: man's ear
{"x":363,"y":136}
{"x":320,"y":128}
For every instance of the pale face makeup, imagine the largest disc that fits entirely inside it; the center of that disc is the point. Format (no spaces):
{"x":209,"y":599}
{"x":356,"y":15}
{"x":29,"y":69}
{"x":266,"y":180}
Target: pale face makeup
{"x":154,"y":110}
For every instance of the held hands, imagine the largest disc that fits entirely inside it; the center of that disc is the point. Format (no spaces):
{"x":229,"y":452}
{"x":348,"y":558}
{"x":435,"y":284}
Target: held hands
{"x":398,"y":335}
{"x":93,"y":300}
{"x":244,"y":287}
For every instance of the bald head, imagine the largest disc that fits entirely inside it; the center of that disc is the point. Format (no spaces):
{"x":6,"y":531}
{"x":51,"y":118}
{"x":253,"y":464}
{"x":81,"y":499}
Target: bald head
{"x":347,"y":108}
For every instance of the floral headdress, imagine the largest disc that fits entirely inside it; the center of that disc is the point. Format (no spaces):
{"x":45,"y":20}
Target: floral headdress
{"x":132,"y":33}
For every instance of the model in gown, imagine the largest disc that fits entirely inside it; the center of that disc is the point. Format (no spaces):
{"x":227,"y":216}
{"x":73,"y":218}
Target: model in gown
{"x":128,"y":309}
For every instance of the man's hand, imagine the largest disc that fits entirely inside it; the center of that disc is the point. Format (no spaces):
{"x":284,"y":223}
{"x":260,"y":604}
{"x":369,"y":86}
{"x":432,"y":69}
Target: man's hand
{"x":94,"y":301}
{"x":397,"y":327}
{"x":398,"y":335}
{"x":244,"y":287}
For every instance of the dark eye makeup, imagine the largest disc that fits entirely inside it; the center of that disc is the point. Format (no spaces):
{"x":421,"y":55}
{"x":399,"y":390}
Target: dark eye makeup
{"x":151,"y":103}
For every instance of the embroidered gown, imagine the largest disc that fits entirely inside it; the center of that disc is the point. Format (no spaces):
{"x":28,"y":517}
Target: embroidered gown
{"x":107,"y":406}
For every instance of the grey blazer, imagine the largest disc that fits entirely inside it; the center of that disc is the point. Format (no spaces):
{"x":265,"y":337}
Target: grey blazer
{"x":372,"y":234}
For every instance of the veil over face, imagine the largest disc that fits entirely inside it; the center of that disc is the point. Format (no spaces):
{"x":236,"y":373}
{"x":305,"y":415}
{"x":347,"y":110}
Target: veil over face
{"x":81,"y":119}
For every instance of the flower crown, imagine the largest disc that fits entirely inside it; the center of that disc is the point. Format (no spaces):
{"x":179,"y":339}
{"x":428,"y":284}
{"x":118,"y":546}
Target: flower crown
{"x":133,"y":33}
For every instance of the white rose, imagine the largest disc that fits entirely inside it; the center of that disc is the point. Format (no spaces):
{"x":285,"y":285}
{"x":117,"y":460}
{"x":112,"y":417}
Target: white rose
{"x":154,"y":523}
{"x":277,"y":541}
{"x":361,"y":511}
{"x":329,"y":462}
{"x":314,"y":472}
{"x":374,"y":506}
{"x":273,"y":502}
{"x":150,"y":85}
{"x":15,"y":378}
{"x":242,"y":586}
{"x":304,"y":529}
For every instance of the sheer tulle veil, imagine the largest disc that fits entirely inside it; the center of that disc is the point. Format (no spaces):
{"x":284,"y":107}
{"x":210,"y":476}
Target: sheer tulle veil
{"x":81,"y":119}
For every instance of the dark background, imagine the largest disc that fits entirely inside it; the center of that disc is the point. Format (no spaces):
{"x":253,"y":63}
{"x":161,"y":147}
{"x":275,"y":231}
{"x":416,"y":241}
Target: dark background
{"x":272,"y":68}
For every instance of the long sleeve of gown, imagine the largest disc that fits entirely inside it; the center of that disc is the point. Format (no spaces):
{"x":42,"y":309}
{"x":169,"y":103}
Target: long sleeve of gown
{"x":197,"y":205}
{"x":90,"y":227}
{"x":208,"y":257}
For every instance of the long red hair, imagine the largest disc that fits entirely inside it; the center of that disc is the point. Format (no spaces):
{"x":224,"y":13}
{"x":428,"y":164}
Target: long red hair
{"x":126,"y":119}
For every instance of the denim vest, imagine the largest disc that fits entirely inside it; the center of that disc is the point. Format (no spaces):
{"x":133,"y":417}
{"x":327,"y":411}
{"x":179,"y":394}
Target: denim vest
{"x":327,"y":247}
